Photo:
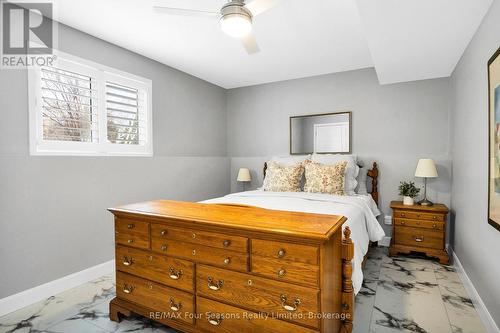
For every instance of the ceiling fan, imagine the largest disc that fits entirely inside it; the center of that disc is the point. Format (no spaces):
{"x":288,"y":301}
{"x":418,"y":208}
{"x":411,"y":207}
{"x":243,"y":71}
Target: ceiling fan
{"x":235,"y":18}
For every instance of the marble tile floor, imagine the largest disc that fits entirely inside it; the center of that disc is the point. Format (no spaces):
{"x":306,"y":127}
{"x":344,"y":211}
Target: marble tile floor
{"x":401,"y":294}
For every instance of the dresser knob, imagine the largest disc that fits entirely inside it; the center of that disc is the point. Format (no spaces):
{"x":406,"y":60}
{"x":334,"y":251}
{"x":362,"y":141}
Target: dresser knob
{"x":150,"y":258}
{"x":127,"y":289}
{"x":130,"y":226}
{"x":214,"y":286}
{"x":418,"y":239}
{"x":173,"y":274}
{"x":193,"y":235}
{"x":193,"y":252}
{"x":127,"y":261}
{"x":130,"y":241}
{"x":281,"y":253}
{"x":434,"y":217}
{"x":402,"y":222}
{"x":175,"y":307}
{"x":163,"y":248}
{"x":163,"y":232}
{"x":281,"y":273}
{"x":434,"y":226}
{"x":403,"y":214}
{"x":214,"y":318}
{"x":249,"y":282}
{"x":227,"y":261}
{"x":226,"y":243}
{"x":289,"y":307}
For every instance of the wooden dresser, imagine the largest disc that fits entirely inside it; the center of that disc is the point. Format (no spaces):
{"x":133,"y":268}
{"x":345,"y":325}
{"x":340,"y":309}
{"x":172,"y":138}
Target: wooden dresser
{"x":419,"y":229}
{"x":227,"y":268}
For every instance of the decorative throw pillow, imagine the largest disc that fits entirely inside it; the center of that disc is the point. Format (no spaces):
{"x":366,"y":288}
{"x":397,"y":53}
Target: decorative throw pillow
{"x":362,"y":177}
{"x":283,"y":179}
{"x":352,"y":169}
{"x":323,"y":178}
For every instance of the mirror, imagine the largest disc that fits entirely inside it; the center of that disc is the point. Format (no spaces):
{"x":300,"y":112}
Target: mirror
{"x":321,"y":133}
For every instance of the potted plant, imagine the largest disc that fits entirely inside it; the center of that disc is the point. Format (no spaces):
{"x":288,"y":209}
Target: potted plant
{"x":409,"y":191}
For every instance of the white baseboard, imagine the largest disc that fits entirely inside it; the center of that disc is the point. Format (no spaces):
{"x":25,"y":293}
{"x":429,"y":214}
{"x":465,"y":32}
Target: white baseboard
{"x":44,"y":291}
{"x":484,"y":314}
{"x":386,"y":241}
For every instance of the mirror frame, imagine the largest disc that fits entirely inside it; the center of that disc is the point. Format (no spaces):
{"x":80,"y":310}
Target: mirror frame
{"x":323,"y":114}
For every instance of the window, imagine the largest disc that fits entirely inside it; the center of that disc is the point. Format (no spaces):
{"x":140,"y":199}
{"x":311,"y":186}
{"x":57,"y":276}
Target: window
{"x":81,"y":108}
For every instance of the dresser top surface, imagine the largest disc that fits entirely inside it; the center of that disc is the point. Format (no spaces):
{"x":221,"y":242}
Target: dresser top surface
{"x":296,"y":224}
{"x":436,"y":208}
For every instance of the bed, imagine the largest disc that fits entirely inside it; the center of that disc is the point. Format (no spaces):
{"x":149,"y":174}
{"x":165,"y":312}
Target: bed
{"x":361,"y":212}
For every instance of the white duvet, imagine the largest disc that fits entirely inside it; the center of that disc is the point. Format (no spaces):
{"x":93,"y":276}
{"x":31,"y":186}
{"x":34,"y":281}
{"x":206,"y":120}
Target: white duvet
{"x":360,"y":210}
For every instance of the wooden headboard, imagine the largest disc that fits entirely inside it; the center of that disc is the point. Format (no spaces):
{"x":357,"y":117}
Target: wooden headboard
{"x":372,"y":173}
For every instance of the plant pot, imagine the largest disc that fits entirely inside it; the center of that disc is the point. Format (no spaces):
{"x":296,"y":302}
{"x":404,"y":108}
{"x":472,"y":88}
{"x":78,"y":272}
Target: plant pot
{"x":408,"y":201}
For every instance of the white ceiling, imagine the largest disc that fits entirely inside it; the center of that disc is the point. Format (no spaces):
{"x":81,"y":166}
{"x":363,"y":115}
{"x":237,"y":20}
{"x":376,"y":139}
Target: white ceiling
{"x":404,"y":40}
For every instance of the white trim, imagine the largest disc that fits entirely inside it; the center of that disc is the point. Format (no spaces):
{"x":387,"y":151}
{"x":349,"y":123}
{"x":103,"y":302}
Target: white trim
{"x":482,"y":310}
{"x":24,"y":298}
{"x":386,"y":241}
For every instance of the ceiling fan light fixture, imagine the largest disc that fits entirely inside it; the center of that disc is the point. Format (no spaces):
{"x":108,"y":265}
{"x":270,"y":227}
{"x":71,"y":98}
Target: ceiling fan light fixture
{"x":236,"y":20}
{"x":236,"y":26}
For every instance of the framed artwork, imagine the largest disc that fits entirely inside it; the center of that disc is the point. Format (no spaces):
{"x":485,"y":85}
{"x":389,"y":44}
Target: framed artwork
{"x":494,"y":140}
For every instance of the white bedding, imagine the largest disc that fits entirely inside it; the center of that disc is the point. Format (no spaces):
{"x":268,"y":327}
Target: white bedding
{"x":360,"y":210}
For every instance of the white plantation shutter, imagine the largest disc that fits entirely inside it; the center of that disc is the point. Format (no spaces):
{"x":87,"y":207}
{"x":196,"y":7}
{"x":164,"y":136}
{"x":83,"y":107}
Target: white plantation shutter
{"x":68,"y":106}
{"x":126,"y":114}
{"x":78,"y":107}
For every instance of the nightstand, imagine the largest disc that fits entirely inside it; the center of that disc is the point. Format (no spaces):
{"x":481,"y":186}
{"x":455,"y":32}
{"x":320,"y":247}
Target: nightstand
{"x":419,"y":229}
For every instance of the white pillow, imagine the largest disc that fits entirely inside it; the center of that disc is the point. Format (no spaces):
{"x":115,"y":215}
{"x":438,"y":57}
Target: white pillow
{"x":362,"y":177}
{"x":352,"y":169}
{"x":286,"y":161}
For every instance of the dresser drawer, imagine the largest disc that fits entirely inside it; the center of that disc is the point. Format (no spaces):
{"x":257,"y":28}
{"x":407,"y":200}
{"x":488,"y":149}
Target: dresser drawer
{"x":258,"y":294}
{"x":435,"y":225}
{"x":217,"y":317}
{"x":170,"y":271}
{"x":419,"y":237}
{"x":286,"y":251}
{"x":199,"y":253}
{"x":418,"y":215}
{"x":281,"y":270}
{"x":221,"y":241}
{"x":131,"y":226}
{"x":133,"y":239}
{"x":174,"y":304}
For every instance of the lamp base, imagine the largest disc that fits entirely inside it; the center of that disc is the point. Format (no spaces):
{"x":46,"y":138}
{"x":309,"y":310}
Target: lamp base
{"x":425,"y":202}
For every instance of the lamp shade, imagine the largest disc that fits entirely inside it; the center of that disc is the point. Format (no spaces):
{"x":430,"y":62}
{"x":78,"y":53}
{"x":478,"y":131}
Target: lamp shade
{"x":426,"y":168}
{"x":244,"y":175}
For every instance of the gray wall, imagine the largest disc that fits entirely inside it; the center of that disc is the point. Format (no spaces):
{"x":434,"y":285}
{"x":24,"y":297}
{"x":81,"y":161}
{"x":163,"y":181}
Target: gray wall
{"x":476,"y":243}
{"x":53,"y":218}
{"x":394,"y":125}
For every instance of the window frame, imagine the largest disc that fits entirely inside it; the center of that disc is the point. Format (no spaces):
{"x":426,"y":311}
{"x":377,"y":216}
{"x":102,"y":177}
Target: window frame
{"x":102,"y":73}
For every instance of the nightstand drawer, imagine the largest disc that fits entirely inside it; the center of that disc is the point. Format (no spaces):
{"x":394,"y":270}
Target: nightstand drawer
{"x":419,"y":224}
{"x":418,"y":215}
{"x":419,"y":237}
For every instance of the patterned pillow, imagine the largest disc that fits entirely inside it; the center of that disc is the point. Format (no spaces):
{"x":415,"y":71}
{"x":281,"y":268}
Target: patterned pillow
{"x":323,"y":178}
{"x":283,"y":179}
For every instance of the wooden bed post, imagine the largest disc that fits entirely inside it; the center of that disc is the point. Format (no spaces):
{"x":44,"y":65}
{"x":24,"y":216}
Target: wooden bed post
{"x":373,"y":174}
{"x":347,"y":288}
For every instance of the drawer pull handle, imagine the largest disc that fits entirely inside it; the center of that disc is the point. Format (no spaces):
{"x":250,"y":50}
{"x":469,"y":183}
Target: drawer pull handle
{"x":173,"y":306}
{"x":289,"y":307}
{"x":403,"y":214}
{"x":130,"y":241}
{"x":163,"y":232}
{"x":127,"y":289}
{"x":194,"y":252}
{"x":434,"y":226}
{"x":214,"y":286}
{"x":173,"y":274}
{"x":214,"y":319}
{"x":281,"y":273}
{"x":226,"y":243}
{"x":434,"y":217}
{"x":281,"y":253}
{"x":418,"y":239}
{"x":227,"y":261}
{"x":163,"y":248}
{"x":402,"y":222}
{"x":130,"y":226}
{"x":194,"y":235}
{"x":127,"y":261}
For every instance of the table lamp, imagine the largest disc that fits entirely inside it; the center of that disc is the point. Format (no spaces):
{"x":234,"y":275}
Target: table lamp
{"x":426,"y":169}
{"x":244,"y":176}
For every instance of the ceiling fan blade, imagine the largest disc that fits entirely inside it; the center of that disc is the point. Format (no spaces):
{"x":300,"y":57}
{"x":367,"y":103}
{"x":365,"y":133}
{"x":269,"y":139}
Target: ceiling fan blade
{"x":250,"y":44}
{"x":259,"y":6}
{"x":186,"y":12}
